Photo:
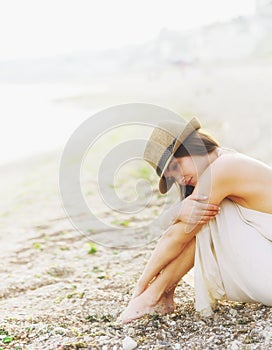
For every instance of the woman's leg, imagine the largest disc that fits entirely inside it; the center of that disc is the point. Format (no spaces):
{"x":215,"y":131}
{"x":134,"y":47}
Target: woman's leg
{"x":158,"y":297}
{"x":170,"y":245}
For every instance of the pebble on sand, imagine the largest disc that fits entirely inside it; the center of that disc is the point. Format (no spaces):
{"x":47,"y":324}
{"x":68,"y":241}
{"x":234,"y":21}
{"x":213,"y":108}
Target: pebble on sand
{"x":129,"y":343}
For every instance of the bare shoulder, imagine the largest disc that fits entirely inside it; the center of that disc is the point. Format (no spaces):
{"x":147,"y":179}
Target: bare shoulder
{"x":227,"y":164}
{"x":226,"y":167}
{"x":237,"y":165}
{"x":232,"y":175}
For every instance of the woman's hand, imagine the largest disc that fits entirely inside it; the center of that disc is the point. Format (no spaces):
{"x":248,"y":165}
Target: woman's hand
{"x":194,"y":211}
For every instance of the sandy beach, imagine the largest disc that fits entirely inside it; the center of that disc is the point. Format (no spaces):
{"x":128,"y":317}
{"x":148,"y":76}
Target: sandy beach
{"x":59,"y":290}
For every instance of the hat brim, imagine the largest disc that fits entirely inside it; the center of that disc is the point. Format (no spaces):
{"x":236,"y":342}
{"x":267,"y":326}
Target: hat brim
{"x":165,"y":185}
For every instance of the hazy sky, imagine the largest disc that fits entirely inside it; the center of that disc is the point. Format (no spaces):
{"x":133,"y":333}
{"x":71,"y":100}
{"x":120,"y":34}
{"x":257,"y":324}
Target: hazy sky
{"x":33,"y":28}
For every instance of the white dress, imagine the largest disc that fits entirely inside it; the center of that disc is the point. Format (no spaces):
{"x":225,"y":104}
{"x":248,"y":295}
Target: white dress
{"x":233,"y":258}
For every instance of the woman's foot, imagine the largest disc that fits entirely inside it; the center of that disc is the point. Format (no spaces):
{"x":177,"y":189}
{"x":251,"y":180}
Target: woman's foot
{"x":145,"y":304}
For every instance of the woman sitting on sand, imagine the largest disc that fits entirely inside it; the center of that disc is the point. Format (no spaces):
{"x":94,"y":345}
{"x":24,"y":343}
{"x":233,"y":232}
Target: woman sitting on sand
{"x":230,"y":246}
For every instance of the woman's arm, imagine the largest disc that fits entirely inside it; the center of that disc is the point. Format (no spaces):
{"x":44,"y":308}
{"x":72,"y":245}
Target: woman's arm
{"x":191,"y":210}
{"x":221,"y":179}
{"x":216,"y":183}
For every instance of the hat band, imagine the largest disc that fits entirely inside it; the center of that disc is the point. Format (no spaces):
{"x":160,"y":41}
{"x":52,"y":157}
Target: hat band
{"x":164,"y":158}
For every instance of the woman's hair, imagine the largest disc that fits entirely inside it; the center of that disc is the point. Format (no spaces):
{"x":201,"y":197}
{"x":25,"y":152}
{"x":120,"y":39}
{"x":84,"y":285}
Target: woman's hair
{"x":198,"y":143}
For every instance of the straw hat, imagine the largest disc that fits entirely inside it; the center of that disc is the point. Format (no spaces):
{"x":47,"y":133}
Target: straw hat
{"x":163,"y":143}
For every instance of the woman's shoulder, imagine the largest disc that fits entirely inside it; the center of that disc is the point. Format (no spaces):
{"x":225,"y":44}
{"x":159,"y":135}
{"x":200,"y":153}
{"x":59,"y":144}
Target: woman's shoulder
{"x":228,"y":161}
{"x":243,"y":179}
{"x":239,"y":174}
{"x":230,"y":174}
{"x":221,"y":178}
{"x":234,"y":162}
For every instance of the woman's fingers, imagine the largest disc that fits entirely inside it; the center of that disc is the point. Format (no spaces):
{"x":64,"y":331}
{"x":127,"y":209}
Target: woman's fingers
{"x":204,"y":212}
{"x":200,"y":198}
{"x":203,"y":222}
{"x":202,"y":218}
{"x":208,"y":206}
{"x":209,"y":210}
{"x":193,"y":210}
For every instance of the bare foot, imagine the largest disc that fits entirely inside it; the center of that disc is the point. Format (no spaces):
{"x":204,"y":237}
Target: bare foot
{"x":165,"y":305}
{"x":144,"y":304}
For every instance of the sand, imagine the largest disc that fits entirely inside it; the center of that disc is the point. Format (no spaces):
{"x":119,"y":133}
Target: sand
{"x":60,"y":292}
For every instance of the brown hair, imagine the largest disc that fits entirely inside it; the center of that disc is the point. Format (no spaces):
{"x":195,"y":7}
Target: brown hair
{"x":198,"y":143}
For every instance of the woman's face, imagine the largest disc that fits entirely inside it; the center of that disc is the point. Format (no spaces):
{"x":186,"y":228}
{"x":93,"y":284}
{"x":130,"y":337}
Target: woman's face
{"x":186,"y":170}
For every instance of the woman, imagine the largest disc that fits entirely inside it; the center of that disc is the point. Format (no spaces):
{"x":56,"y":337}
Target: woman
{"x":230,"y":246}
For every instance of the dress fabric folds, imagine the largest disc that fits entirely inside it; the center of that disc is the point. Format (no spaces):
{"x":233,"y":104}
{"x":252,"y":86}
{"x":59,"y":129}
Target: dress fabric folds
{"x":233,"y":258}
